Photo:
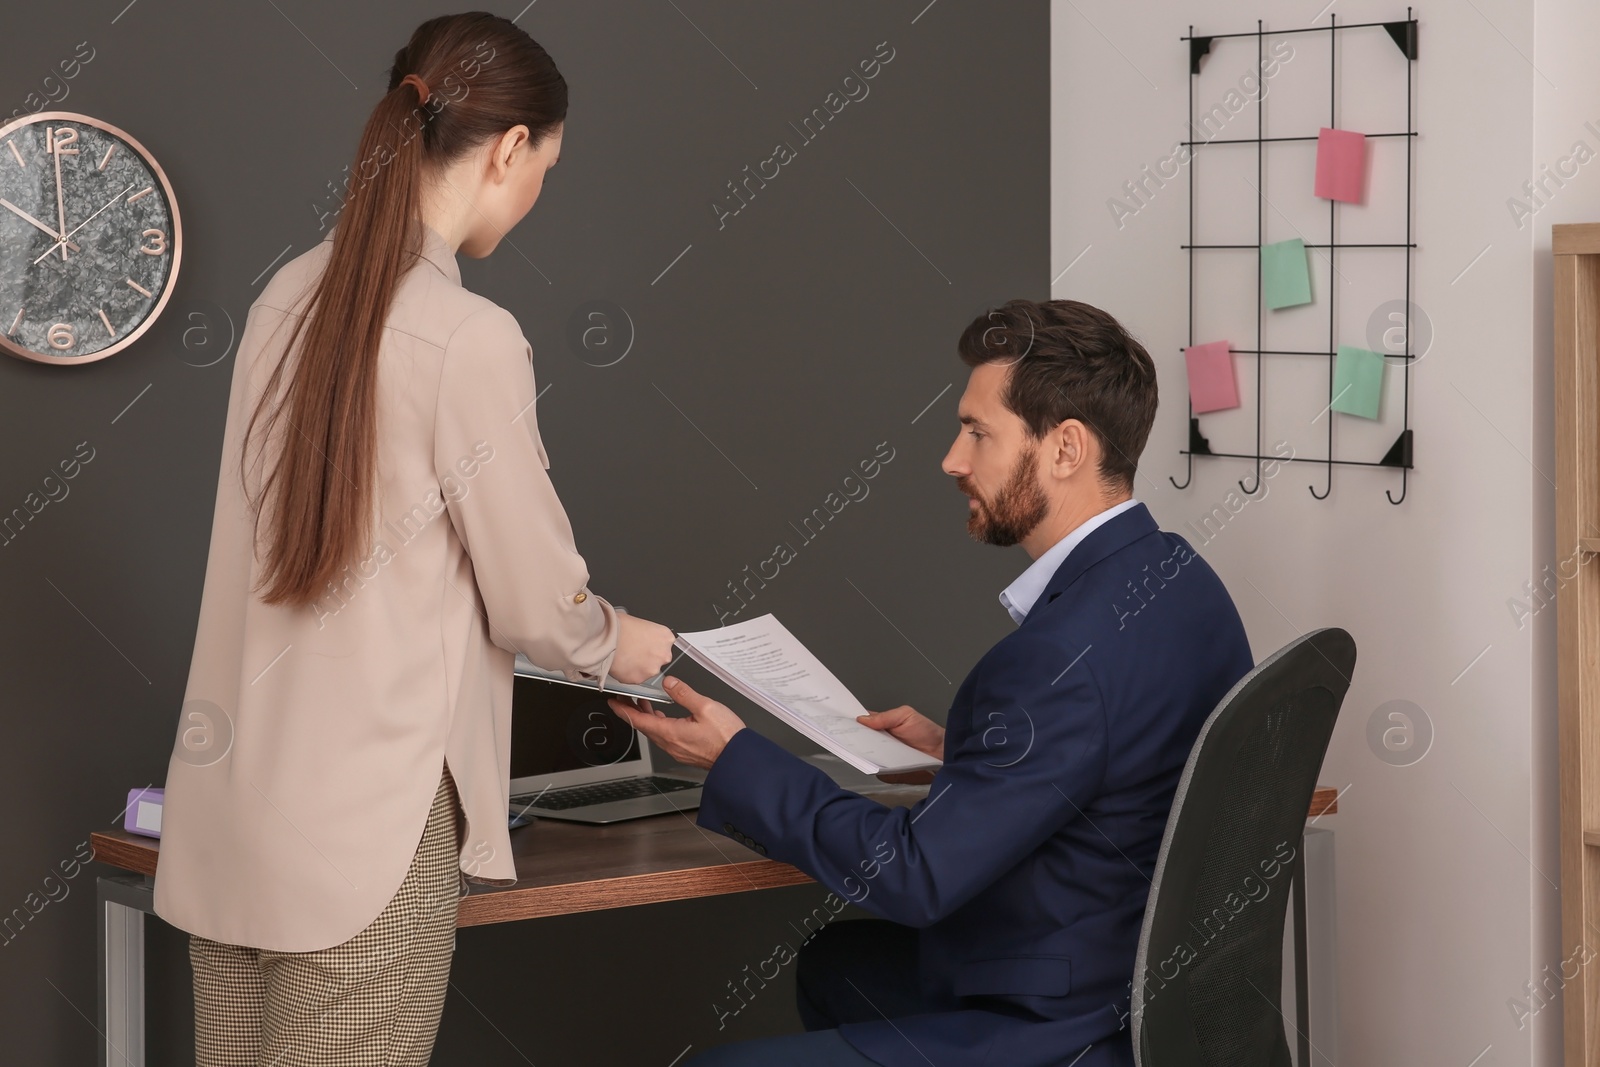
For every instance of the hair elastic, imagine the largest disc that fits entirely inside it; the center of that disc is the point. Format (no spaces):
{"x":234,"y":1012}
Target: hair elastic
{"x":422,"y":87}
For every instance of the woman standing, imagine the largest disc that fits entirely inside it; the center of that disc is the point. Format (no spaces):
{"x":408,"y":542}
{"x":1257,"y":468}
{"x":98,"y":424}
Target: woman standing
{"x":386,"y":537}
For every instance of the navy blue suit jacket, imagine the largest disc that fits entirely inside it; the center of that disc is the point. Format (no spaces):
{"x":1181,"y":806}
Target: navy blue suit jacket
{"x":1027,"y":866}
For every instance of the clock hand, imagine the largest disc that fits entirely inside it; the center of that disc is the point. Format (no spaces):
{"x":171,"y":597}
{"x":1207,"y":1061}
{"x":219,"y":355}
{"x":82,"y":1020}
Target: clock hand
{"x":86,"y":221}
{"x":61,"y":205}
{"x":29,"y":218}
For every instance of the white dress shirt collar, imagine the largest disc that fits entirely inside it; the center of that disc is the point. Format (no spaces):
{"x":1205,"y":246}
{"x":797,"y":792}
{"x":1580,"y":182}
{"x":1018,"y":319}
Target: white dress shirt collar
{"x":1019,"y":597}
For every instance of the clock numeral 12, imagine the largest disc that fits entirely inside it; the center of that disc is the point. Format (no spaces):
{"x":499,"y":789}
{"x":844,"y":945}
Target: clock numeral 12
{"x":58,"y":138}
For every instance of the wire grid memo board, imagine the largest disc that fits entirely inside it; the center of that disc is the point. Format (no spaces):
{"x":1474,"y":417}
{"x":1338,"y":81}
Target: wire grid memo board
{"x":1361,"y":395}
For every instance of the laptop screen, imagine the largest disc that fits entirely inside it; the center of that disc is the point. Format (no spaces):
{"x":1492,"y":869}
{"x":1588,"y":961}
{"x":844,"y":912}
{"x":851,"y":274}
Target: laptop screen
{"x":566,"y":734}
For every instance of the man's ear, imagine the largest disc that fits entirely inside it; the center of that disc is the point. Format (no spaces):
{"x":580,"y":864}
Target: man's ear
{"x":1071,"y":448}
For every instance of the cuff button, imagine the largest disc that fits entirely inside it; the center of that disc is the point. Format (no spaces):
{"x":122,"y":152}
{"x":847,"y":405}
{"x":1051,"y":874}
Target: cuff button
{"x":580,"y":598}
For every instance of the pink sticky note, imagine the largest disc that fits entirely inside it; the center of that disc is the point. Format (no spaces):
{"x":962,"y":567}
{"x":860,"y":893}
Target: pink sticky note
{"x":1212,"y":386}
{"x":1341,"y":164}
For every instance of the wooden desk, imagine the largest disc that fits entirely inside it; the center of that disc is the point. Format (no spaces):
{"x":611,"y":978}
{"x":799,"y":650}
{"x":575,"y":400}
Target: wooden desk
{"x":564,"y":867}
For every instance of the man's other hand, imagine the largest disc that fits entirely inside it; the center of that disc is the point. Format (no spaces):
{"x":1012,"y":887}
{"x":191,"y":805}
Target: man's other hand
{"x":909,"y":726}
{"x":696,"y":739}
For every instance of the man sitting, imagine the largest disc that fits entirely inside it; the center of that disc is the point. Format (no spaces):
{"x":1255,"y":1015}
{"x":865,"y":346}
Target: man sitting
{"x":1011,"y":897}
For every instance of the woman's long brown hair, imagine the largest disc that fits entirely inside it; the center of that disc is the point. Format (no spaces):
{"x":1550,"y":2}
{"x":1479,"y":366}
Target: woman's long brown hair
{"x":485,"y":75}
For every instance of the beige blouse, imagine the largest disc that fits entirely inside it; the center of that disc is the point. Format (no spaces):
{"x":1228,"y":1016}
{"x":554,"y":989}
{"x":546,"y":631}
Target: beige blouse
{"x":311,"y":739}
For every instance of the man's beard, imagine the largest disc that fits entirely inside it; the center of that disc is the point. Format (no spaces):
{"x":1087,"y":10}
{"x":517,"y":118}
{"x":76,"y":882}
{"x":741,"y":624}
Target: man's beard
{"x":1018,"y":506}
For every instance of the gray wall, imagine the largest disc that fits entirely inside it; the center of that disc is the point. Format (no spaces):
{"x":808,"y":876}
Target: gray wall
{"x":778,"y":351}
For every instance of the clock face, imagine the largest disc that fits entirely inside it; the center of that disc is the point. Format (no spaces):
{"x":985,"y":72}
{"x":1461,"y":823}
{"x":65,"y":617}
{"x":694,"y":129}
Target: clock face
{"x":89,"y":238}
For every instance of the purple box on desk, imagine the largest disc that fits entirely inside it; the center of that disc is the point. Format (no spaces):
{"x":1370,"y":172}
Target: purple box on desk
{"x":144,"y":812}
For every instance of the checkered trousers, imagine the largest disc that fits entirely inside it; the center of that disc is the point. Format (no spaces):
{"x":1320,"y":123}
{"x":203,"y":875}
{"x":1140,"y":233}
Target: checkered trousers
{"x":373,"y":1001}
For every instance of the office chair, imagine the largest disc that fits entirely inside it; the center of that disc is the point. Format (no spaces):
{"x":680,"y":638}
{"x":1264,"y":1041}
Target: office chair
{"x":1209,"y":970}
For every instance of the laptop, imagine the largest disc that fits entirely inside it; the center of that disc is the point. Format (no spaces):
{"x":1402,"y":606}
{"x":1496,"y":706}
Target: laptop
{"x":572,"y":758}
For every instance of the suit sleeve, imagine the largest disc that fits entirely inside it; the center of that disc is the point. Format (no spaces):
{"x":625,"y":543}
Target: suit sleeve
{"x":1032,"y":759}
{"x":533,"y":581}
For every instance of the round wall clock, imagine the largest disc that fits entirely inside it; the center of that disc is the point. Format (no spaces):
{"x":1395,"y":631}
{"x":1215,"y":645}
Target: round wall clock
{"x":89,"y":238}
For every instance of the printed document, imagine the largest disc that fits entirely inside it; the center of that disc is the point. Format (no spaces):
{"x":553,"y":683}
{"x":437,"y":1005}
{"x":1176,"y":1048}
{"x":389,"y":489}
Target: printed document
{"x":768,"y":664}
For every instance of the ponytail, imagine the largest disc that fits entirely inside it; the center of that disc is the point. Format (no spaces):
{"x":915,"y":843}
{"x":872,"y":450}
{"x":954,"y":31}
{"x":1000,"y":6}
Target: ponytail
{"x":485,"y":75}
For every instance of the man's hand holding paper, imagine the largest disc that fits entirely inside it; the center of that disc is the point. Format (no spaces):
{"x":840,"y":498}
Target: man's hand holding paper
{"x":698,"y":738}
{"x":908,"y":725}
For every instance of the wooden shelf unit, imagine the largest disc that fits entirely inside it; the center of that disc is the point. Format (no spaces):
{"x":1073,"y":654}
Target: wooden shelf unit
{"x":1576,"y":251}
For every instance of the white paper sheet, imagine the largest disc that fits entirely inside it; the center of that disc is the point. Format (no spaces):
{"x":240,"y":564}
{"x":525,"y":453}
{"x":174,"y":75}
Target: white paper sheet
{"x":768,"y":664}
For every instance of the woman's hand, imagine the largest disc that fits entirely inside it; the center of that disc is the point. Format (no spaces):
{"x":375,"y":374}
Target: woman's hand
{"x":910,"y":726}
{"x":644,"y":649}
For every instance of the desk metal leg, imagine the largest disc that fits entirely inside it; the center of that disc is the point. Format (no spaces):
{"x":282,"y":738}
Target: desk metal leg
{"x":1321,"y":969}
{"x":1302,"y":991}
{"x":124,"y":900}
{"x":1313,"y":975}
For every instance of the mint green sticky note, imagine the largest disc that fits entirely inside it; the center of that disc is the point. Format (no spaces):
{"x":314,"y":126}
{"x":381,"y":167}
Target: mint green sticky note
{"x":1357,"y":381}
{"x":1285,"y":278}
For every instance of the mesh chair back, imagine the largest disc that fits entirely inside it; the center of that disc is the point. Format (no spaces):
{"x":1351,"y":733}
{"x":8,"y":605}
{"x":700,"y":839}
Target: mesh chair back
{"x":1209,"y":971}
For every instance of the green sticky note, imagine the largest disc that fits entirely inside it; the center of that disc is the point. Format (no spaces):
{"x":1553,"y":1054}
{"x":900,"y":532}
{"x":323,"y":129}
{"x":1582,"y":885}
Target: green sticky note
{"x":1285,"y":278}
{"x":1357,"y":381}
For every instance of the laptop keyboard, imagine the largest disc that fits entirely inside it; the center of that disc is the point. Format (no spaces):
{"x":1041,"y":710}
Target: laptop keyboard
{"x":578,"y":796}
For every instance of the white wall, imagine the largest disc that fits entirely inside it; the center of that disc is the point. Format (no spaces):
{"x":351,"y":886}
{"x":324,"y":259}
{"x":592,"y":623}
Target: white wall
{"x":1447,"y":866}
